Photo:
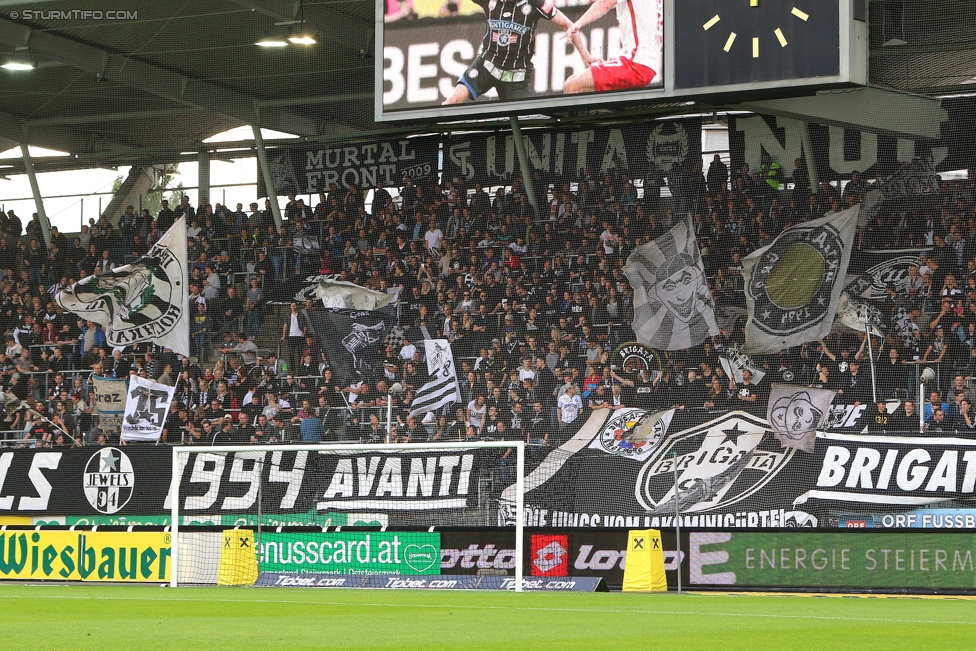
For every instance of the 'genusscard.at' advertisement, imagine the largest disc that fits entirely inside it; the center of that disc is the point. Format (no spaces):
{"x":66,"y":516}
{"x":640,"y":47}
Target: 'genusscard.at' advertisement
{"x":351,"y":553}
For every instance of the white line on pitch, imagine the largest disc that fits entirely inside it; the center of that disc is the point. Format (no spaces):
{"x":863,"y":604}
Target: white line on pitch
{"x":514,"y":607}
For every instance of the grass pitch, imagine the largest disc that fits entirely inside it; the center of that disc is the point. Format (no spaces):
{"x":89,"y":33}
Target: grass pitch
{"x":104,"y":618}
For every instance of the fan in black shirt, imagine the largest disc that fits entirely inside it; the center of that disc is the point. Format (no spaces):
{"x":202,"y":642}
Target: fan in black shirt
{"x":504,"y":61}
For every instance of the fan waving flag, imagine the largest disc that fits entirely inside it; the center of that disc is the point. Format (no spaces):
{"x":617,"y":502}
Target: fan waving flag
{"x":442,"y":388}
{"x":795,"y":413}
{"x":673,"y":309}
{"x":145,"y":301}
{"x":793,"y":285}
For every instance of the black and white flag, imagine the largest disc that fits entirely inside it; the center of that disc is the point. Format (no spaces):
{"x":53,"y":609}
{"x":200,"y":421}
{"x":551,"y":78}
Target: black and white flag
{"x":793,"y":285}
{"x":734,"y":363}
{"x":353,"y":340}
{"x":673,"y":309}
{"x":145,"y":301}
{"x":442,"y":387}
{"x":860,"y":315}
{"x":795,"y":413}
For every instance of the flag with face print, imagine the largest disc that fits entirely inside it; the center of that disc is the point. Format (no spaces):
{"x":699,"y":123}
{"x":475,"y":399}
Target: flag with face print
{"x":672,"y":305}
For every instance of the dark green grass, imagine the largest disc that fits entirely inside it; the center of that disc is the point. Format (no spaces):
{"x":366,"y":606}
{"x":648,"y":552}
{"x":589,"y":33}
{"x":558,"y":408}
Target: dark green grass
{"x":105,"y":618}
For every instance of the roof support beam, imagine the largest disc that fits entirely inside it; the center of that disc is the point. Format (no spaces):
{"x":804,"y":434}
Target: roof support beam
{"x":109,"y":117}
{"x":60,"y":138}
{"x":36,"y":191}
{"x":153,"y":79}
{"x":878,"y":110}
{"x":319,"y":99}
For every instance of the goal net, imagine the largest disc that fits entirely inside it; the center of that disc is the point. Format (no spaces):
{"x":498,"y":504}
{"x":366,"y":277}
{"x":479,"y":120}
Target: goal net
{"x":339,"y":515}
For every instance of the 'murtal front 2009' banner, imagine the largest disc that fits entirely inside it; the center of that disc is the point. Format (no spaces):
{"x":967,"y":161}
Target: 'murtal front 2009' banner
{"x":568,"y":154}
{"x":311,"y":170}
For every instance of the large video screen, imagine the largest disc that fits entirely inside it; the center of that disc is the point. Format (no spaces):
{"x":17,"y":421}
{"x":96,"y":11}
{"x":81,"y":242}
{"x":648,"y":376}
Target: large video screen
{"x":471,"y":52}
{"x":471,"y":58}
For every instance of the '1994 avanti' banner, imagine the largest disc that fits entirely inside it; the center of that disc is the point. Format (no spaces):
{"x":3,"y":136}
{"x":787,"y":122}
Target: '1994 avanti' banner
{"x":614,"y":472}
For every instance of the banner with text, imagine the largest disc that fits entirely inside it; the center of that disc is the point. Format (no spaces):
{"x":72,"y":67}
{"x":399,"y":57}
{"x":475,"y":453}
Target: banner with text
{"x":85,"y":556}
{"x":567,"y":154}
{"x":839,"y":152}
{"x":311,"y":170}
{"x":732,"y":473}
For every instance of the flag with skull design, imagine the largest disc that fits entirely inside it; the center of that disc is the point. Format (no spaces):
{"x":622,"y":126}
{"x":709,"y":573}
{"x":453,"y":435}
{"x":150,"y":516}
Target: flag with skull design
{"x":672,"y":306}
{"x":795,"y":413}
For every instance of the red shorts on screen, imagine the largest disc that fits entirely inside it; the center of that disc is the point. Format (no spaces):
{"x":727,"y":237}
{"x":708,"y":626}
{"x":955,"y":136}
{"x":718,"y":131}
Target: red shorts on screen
{"x":620,"y":73}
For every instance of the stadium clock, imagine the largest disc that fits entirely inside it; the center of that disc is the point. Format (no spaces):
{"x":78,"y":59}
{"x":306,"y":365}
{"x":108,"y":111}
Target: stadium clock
{"x":722,"y":42}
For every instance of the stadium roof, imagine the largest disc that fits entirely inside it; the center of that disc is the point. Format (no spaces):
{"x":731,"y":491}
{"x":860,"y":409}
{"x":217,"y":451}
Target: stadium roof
{"x":150,"y":89}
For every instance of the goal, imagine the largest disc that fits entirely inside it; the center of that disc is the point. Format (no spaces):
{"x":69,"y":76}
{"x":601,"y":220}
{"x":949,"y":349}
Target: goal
{"x":341,"y":515}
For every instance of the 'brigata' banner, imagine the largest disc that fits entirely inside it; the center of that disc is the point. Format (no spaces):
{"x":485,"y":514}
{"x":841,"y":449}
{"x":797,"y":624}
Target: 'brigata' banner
{"x":732,"y":473}
{"x":567,"y":155}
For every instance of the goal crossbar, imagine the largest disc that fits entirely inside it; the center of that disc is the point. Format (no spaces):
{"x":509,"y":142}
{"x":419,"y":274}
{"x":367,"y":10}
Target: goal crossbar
{"x":519,"y":446}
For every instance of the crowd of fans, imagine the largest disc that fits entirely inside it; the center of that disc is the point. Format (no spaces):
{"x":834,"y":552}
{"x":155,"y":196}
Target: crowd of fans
{"x":533,"y":300}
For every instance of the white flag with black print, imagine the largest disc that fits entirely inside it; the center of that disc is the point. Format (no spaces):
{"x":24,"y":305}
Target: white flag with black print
{"x":442,"y":387}
{"x":794,"y":284}
{"x":795,"y":413}
{"x":673,"y":309}
{"x":145,"y":301}
{"x":146,"y":409}
{"x":860,"y":315}
{"x":734,"y":363}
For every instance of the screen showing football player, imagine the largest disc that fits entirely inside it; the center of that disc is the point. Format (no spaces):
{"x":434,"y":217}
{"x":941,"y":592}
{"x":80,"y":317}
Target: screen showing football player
{"x":504,"y":60}
{"x":641,"y":34}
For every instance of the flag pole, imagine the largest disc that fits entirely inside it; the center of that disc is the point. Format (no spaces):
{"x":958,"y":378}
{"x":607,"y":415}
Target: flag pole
{"x":867,"y":331}
{"x":677,"y":519}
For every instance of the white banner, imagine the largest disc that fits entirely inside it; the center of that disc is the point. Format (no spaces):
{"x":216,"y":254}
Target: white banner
{"x":145,"y":410}
{"x":734,"y":362}
{"x":344,"y":295}
{"x":796,"y":413}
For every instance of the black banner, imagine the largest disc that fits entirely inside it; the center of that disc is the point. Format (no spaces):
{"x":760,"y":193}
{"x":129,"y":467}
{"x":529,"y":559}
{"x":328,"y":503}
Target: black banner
{"x":310,"y":170}
{"x":566,"y":155}
{"x":878,"y":268}
{"x":732,"y":474}
{"x":353,"y":340}
{"x":85,"y":481}
{"x":839,"y":152}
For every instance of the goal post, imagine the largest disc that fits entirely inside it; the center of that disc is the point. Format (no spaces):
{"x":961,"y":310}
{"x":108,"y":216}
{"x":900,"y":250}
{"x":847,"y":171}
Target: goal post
{"x":353,"y":509}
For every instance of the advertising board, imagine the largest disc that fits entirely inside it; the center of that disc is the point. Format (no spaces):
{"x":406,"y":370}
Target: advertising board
{"x":85,"y":556}
{"x":377,"y":552}
{"x":812,"y":560}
